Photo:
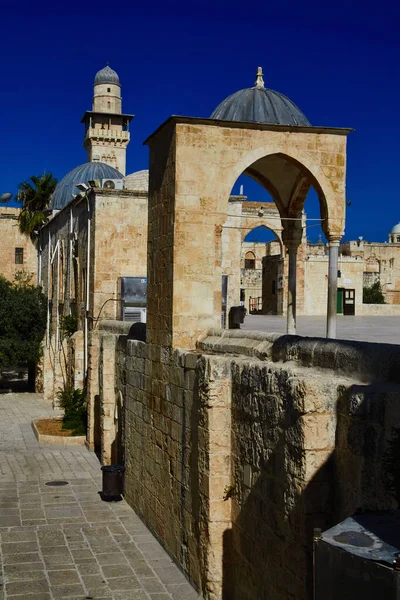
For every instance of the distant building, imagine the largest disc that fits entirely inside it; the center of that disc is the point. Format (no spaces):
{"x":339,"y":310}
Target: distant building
{"x":18,"y":253}
{"x":361,"y":263}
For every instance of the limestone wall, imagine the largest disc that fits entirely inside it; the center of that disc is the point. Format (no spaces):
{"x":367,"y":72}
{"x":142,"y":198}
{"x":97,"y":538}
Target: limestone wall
{"x":379,"y":309}
{"x":382,"y":262}
{"x":234,"y":453}
{"x":11,"y":239}
{"x":316,"y":282}
{"x":120,"y":225}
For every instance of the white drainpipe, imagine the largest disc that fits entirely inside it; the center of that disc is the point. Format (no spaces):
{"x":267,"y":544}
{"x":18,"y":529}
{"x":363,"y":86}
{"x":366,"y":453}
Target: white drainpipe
{"x":85,"y":357}
{"x":71,"y":229}
{"x":57,"y":250}
{"x":48,"y":292}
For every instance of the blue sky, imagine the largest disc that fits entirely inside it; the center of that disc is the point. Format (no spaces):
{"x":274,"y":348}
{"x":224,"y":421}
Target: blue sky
{"x":339,"y":63}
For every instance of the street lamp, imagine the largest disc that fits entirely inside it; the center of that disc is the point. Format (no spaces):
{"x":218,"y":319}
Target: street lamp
{"x":6,"y":197}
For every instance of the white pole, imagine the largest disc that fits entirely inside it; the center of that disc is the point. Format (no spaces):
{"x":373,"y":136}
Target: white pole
{"x":332,"y":289}
{"x":291,"y":304}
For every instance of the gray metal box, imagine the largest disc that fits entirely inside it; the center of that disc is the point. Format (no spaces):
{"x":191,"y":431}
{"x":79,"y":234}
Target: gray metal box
{"x":356,"y":559}
{"x":133,"y":298}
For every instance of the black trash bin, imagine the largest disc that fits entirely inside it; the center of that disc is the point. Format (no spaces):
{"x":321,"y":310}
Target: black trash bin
{"x":236,"y":316}
{"x":113,"y":483}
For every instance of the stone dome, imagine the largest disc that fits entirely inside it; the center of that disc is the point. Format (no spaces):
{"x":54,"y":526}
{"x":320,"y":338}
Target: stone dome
{"x":106,"y":75}
{"x":396,"y":228}
{"x":66,"y":189}
{"x":260,"y":105}
{"x":138,"y":181}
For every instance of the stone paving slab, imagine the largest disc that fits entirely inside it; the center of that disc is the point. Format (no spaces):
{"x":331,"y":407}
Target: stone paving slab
{"x":384,"y":329}
{"x":65,"y":542}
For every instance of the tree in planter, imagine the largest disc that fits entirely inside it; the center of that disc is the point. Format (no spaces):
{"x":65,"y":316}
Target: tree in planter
{"x":373,"y":294}
{"x":74,"y":404}
{"x":22,"y":322}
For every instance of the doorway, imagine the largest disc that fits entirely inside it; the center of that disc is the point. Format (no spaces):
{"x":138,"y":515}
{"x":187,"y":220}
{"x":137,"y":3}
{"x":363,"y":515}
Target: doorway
{"x":349,"y":302}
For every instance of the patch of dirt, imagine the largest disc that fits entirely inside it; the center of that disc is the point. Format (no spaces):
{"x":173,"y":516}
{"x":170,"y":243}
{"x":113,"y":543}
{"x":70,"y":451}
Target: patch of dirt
{"x":52,"y":427}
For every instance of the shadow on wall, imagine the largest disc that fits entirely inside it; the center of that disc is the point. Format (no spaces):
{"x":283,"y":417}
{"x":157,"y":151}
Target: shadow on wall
{"x":287,"y":482}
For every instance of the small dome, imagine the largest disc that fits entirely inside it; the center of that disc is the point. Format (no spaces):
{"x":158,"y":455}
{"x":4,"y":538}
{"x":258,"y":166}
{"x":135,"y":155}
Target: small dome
{"x":66,"y":189}
{"x":260,"y":105}
{"x":138,"y":181}
{"x":396,"y":228}
{"x":106,"y":75}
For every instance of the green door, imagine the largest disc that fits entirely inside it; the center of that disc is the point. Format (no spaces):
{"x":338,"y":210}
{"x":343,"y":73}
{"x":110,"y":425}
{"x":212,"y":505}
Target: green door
{"x":339,"y":302}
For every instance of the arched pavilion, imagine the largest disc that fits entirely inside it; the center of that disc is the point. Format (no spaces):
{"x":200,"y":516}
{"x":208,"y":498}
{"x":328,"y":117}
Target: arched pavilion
{"x":194,"y":164}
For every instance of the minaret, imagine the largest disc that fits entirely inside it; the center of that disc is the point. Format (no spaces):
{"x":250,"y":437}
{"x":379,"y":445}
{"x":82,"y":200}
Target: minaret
{"x":106,"y":127}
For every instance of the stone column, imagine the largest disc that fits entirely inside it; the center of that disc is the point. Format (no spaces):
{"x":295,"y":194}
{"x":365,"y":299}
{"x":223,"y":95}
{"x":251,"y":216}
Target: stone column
{"x":332,"y":288}
{"x":291,"y":302}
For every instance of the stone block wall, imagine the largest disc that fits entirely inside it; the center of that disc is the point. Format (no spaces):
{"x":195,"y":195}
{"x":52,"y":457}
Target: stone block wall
{"x":11,"y":238}
{"x":236,"y":452}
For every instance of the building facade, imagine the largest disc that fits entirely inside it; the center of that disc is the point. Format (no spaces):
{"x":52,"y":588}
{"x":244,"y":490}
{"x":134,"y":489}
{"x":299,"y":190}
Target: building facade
{"x":18,"y":253}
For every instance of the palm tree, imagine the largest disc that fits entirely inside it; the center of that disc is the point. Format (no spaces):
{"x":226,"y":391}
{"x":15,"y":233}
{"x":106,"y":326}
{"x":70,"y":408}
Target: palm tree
{"x":35,"y":194}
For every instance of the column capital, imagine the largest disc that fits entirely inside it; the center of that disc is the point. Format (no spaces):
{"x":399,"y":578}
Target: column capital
{"x":334,"y":241}
{"x":291,"y":245}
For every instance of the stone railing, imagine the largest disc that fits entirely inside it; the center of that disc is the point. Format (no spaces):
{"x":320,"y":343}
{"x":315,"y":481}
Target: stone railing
{"x":108,"y":134}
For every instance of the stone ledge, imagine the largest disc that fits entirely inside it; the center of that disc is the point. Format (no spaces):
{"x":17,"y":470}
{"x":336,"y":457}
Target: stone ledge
{"x":73,"y":440}
{"x":116,"y":327}
{"x":364,"y":360}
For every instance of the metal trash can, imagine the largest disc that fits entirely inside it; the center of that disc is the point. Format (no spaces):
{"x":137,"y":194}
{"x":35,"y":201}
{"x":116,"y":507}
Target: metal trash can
{"x":113,"y":483}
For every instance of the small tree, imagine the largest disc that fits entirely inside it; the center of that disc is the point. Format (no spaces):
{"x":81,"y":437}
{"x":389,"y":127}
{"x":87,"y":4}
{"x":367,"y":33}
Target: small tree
{"x":373,"y":294}
{"x":22,"y":321}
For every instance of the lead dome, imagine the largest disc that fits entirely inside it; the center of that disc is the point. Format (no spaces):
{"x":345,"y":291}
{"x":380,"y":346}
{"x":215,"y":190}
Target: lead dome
{"x":260,"y":105}
{"x":106,"y":75}
{"x":66,"y":189}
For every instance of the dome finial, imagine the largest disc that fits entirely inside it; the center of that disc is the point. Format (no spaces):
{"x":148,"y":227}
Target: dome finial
{"x":259,"y":82}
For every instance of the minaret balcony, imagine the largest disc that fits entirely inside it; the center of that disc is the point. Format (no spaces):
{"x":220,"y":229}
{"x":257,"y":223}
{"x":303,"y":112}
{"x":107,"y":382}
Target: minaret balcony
{"x":108,"y":134}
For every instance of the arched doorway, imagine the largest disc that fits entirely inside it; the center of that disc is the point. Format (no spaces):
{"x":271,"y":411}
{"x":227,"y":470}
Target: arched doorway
{"x":252,"y":220}
{"x":261,"y":265}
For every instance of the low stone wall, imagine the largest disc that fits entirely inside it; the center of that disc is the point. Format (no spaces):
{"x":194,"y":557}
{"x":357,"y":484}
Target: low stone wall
{"x":378,"y":309}
{"x":235,"y":453}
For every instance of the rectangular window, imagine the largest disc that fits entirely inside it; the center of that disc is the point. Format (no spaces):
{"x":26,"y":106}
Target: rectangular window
{"x":19,"y":256}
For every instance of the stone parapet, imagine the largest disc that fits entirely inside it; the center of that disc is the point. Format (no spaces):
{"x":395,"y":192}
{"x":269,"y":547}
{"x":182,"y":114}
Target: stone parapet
{"x":236,"y":451}
{"x":363,"y":360}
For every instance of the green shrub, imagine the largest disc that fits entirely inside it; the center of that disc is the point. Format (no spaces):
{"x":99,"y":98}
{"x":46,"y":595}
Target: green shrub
{"x":373,"y":294}
{"x":73,"y":402}
{"x":68,"y":325}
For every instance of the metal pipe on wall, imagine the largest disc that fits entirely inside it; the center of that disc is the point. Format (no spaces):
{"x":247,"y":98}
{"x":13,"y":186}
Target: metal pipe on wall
{"x":85,"y":354}
{"x":71,"y":230}
{"x":48,"y":292}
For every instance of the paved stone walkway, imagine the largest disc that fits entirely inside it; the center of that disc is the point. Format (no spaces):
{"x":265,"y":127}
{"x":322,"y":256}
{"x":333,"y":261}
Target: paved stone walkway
{"x":65,"y":542}
{"x":385,"y":329}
